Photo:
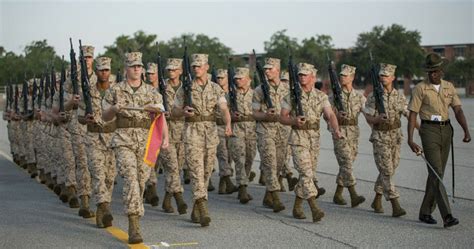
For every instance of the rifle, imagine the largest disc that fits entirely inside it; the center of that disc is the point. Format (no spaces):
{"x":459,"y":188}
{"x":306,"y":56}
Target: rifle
{"x":53,"y":85}
{"x":232,"y":88}
{"x":378,"y":89}
{"x":47,"y":87}
{"x":335,"y":86}
{"x":213,"y":74}
{"x":85,"y":81}
{"x":264,"y":83}
{"x":72,"y":57}
{"x":61,"y":86}
{"x":187,"y":79}
{"x":24,"y":94}
{"x":295,"y":88}
{"x":162,"y":82}
{"x":41,"y":91}
{"x":34,"y":95}
{"x":17,"y":95}
{"x":119,"y":76}
{"x":7,"y":92}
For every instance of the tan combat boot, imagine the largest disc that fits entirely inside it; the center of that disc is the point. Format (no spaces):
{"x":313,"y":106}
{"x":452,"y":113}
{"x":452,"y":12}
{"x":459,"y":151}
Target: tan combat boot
{"x":99,"y":215}
{"x":268,"y":200}
{"x":64,"y":194}
{"x":321,"y":191}
{"x":338,"y":199}
{"x":42,"y":176}
{"x":280,"y":181}
{"x":151,"y":196}
{"x":108,"y":218}
{"x":195,"y":215}
{"x":204,"y":218}
{"x":222,"y":186}
{"x":355,"y":199}
{"x":167,"y":207}
{"x":210,"y":187}
{"x":377,"y":204}
{"x":252,"y":176}
{"x":32,"y":169}
{"x":316,"y":212}
{"x":134,"y":236}
{"x":73,"y":201}
{"x":397,"y":210}
{"x":261,"y":179}
{"x":243,"y":195}
{"x":84,"y":210}
{"x":292,"y":181}
{"x":277,"y":205}
{"x":298,"y":211}
{"x":182,"y":206}
{"x":186,"y":177}
{"x":229,"y":185}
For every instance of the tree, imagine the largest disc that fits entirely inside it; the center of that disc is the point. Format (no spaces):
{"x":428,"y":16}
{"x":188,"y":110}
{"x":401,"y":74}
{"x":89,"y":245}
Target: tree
{"x":140,"y":42}
{"x":278,"y":47}
{"x":315,"y":50}
{"x":460,"y":72}
{"x":39,"y":56}
{"x":394,"y":45}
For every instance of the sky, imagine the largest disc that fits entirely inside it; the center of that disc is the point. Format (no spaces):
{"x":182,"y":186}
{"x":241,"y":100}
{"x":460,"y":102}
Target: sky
{"x":241,"y":25}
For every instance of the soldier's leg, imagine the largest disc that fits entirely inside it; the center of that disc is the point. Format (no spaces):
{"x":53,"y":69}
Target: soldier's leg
{"x":69,"y":170}
{"x":225,"y":170}
{"x":269,"y":162}
{"x":82,"y":170}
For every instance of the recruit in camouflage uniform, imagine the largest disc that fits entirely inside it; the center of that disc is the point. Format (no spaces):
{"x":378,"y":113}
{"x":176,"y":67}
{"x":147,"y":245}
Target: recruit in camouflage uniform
{"x":286,"y":171}
{"x":98,"y":137}
{"x":172,"y":158}
{"x":201,"y":138}
{"x":26,"y":127}
{"x":304,"y":138}
{"x":386,"y":138}
{"x":243,"y":142}
{"x":271,"y":140}
{"x":130,"y":137}
{"x":346,"y":148}
{"x":223,"y":157}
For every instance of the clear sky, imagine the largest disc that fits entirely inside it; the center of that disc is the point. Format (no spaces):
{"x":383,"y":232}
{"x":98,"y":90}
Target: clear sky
{"x":241,"y":25}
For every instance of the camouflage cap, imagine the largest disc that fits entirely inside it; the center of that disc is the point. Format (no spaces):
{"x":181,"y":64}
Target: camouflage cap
{"x":221,"y":73}
{"x":133,"y":59}
{"x":241,"y":72}
{"x":151,"y":67}
{"x":199,"y":59}
{"x":174,"y":63}
{"x":284,"y":75}
{"x":272,"y":62}
{"x":387,"y":69}
{"x":88,"y":50}
{"x":306,"y":68}
{"x":103,"y":63}
{"x":347,"y":70}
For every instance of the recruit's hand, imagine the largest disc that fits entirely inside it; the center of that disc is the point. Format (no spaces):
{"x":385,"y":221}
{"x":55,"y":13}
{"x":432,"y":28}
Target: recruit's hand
{"x":188,"y":111}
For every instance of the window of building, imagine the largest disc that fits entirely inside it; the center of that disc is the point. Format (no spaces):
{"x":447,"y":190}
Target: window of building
{"x":460,"y":52}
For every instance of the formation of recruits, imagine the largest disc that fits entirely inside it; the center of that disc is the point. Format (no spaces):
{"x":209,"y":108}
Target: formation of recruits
{"x":78,"y":155}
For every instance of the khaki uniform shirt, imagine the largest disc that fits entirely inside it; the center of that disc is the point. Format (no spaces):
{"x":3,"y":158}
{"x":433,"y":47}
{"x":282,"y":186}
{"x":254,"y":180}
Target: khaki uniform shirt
{"x":427,"y":101}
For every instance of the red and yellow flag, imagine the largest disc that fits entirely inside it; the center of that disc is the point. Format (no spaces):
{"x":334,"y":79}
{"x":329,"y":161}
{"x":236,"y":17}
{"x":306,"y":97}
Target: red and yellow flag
{"x":153,"y":144}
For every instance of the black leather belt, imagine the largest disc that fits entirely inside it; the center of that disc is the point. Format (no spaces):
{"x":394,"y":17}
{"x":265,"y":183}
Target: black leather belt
{"x":441,"y":123}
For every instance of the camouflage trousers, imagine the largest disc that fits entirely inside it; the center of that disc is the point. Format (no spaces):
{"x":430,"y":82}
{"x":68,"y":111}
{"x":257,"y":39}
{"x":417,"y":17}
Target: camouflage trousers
{"x":26,"y":135}
{"x":286,"y":167}
{"x":39,"y":142}
{"x":11,"y":138}
{"x":304,"y":160}
{"x":101,"y":161}
{"x":135,"y":174}
{"x":223,"y":156}
{"x":272,"y":152}
{"x":64,"y":155}
{"x":346,"y":150}
{"x":83,"y":176}
{"x":316,"y":150}
{"x":243,"y":151}
{"x":171,"y":159}
{"x":387,"y":159}
{"x":200,"y":160}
